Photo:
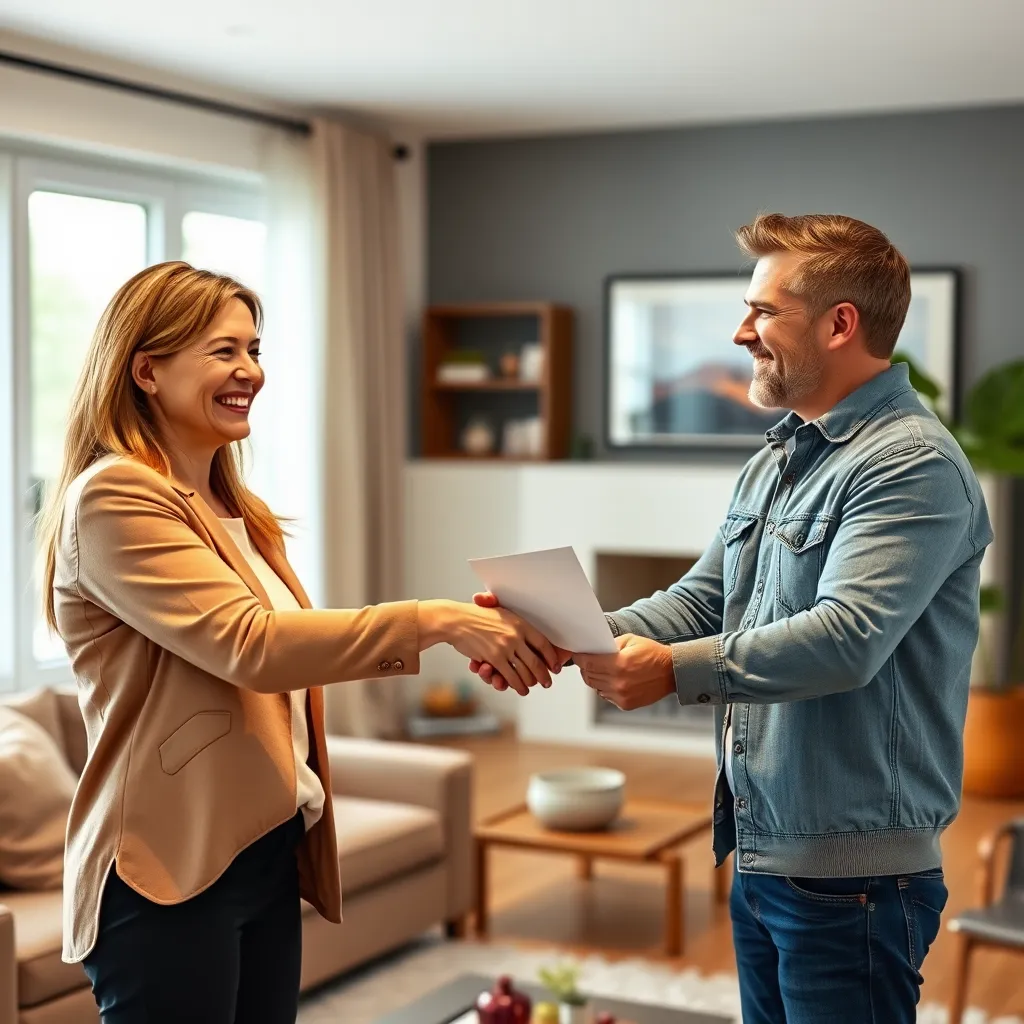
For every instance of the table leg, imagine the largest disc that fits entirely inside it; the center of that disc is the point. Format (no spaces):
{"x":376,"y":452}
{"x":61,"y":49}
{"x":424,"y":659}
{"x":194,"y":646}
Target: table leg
{"x":674,"y":924}
{"x":723,"y":879}
{"x":584,"y":868}
{"x":481,"y":888}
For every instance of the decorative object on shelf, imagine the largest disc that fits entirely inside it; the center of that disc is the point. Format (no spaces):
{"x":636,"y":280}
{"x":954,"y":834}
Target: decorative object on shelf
{"x":562,"y":981}
{"x":523,"y":438}
{"x":480,"y":723}
{"x":463,"y":366}
{"x":576,"y":799}
{"x":449,"y":700}
{"x":582,"y":448}
{"x":991,"y":433}
{"x":478,"y":437}
{"x":507,"y":380}
{"x":504,"y":1005}
{"x":674,"y":378}
{"x":531,"y":361}
{"x":509,"y":365}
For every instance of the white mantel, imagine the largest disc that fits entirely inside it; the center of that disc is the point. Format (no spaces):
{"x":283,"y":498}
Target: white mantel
{"x":456,"y":511}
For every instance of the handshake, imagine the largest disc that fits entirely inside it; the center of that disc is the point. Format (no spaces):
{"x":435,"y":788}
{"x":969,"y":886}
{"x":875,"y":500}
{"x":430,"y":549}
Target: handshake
{"x":638,"y":674}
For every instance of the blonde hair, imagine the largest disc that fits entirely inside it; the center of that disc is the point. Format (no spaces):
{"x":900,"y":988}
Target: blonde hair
{"x":161,"y":310}
{"x":845,"y":260}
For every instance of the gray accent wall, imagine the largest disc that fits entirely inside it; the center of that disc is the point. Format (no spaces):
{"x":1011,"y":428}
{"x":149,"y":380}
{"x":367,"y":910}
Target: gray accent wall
{"x":550,"y":218}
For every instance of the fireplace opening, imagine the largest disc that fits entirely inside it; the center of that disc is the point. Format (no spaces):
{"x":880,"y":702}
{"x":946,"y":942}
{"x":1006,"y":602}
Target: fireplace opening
{"x":622,"y":578}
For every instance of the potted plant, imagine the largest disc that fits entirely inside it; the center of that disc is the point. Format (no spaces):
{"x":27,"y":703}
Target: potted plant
{"x":561,"y":982}
{"x":991,"y":433}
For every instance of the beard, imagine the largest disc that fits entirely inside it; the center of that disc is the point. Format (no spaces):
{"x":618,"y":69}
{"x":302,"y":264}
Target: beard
{"x":777,"y":386}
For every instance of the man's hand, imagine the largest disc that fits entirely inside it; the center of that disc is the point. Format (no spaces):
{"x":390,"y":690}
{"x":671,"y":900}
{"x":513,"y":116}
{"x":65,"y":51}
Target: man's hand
{"x":638,"y":675}
{"x":487,"y":672}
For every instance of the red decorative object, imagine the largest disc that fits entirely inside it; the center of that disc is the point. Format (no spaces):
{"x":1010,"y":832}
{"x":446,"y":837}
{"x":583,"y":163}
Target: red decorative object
{"x":604,"y":1017}
{"x":504,"y":1005}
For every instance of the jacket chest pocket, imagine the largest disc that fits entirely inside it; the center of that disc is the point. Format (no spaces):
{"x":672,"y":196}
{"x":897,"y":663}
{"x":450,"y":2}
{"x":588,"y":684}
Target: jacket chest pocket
{"x":737,"y":533}
{"x":802,"y":551}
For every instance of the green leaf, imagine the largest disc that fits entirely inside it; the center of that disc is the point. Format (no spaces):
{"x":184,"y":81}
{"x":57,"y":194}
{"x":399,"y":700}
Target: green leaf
{"x":995,"y":406}
{"x":991,"y":599}
{"x":561,"y":982}
{"x":995,"y":457}
{"x":919,"y":380}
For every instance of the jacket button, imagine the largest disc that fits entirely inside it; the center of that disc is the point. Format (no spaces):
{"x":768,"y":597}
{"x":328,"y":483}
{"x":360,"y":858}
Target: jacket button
{"x":737,"y":748}
{"x":771,"y":528}
{"x":398,"y":665}
{"x":748,"y":858}
{"x":384,"y":666}
{"x":788,"y":479}
{"x":741,"y":803}
{"x":703,"y":698}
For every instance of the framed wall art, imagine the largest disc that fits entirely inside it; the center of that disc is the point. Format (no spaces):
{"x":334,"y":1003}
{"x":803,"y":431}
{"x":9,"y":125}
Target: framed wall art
{"x":674,"y":378}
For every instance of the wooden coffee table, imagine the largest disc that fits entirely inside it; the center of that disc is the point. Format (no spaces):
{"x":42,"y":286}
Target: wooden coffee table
{"x":646,"y":832}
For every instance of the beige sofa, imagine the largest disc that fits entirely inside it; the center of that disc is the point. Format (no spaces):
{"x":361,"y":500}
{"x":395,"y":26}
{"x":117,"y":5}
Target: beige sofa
{"x":404,"y":830}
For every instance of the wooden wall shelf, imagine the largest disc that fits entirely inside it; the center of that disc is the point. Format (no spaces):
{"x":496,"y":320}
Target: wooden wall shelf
{"x":495,"y":329}
{"x":497,"y":384}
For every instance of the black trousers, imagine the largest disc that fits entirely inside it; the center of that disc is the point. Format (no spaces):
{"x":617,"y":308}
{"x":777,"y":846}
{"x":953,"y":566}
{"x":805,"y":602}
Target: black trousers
{"x":231,"y":955}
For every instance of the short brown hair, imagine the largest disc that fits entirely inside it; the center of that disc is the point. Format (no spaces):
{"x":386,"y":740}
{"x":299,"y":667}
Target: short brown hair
{"x":845,"y":260}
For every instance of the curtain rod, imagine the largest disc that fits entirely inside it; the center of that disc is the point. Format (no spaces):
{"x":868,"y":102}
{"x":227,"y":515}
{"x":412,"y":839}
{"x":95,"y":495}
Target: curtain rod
{"x":154,"y":92}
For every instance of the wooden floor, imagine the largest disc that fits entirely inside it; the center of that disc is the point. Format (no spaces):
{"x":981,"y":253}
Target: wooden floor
{"x":537,"y":899}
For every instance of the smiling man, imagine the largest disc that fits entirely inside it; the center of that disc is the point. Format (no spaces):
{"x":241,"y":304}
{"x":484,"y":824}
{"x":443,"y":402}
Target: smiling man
{"x":832,"y":623}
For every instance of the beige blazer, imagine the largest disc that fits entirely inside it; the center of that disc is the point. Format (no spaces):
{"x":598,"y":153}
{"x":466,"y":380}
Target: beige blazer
{"x":182,"y":670}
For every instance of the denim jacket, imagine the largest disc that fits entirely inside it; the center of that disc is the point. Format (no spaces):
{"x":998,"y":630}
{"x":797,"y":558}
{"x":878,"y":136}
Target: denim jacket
{"x":834,"y":618}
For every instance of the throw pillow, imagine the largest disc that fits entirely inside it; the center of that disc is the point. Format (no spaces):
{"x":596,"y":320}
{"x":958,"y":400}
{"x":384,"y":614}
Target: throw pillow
{"x":36,"y":787}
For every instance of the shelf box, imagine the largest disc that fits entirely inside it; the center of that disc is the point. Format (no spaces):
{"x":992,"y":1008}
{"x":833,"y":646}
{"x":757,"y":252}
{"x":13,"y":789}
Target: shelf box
{"x":493,"y":329}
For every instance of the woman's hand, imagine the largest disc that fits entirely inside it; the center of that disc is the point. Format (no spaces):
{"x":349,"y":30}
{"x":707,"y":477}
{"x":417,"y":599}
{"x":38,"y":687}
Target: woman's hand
{"x":487,"y":671}
{"x":521,"y":654}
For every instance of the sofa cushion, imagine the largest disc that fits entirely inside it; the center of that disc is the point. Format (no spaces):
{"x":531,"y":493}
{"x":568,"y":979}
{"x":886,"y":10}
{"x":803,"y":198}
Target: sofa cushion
{"x":36,"y":787}
{"x":42,"y":975}
{"x":378,"y":840}
{"x":43,"y":707}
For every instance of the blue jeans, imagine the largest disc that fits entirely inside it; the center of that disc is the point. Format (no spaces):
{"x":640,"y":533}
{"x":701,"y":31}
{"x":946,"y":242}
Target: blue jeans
{"x":833,"y":950}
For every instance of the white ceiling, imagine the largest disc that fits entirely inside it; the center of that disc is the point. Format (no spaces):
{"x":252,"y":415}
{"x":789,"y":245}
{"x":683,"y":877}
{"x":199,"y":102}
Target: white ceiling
{"x":493,"y":67}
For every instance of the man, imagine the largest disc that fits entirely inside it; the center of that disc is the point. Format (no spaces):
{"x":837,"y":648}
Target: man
{"x":832,"y":623}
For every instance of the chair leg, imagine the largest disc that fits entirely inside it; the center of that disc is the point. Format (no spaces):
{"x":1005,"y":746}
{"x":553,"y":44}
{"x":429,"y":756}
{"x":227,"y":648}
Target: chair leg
{"x":965,"y":947}
{"x":456,"y":928}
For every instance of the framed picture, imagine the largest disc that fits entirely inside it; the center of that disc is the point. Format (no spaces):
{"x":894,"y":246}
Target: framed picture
{"x":674,"y":378}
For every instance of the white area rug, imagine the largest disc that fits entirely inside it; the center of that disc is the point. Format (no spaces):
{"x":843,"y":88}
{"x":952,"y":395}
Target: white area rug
{"x":364,"y":997}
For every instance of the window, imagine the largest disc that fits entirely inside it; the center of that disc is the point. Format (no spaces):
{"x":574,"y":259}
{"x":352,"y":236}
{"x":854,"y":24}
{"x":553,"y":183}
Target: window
{"x":80,"y":251}
{"x":228,"y":245}
{"x":75,"y":233}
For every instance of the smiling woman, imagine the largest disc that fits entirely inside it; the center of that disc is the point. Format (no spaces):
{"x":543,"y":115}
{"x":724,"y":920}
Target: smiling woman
{"x":200,"y":396}
{"x":204,"y":810}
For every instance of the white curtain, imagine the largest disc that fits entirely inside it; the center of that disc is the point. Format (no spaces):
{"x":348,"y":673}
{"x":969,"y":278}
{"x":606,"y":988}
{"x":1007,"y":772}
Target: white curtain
{"x":335,"y":335}
{"x":287,"y":442}
{"x":363,"y":410}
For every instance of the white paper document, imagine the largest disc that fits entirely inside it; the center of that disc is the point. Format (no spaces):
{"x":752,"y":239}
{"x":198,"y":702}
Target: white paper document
{"x":550,"y":590}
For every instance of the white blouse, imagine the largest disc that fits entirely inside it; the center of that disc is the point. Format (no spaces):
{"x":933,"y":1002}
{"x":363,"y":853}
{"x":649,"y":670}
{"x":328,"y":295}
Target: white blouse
{"x":309,"y":791}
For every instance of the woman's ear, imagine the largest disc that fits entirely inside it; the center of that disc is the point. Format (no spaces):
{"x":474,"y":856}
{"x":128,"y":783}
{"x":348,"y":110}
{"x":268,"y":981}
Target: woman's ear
{"x":142,"y":373}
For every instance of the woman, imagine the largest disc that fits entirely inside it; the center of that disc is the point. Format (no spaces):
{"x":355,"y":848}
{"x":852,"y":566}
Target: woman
{"x":204,"y":810}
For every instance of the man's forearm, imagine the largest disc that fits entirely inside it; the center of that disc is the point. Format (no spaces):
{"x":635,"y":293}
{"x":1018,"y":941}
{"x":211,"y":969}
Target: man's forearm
{"x":690,"y":608}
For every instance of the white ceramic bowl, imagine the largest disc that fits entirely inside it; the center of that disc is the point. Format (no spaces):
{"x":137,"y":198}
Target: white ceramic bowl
{"x":576,"y":799}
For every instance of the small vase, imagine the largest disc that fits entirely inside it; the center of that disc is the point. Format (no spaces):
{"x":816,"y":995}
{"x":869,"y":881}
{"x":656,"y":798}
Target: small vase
{"x":571,"y":1014}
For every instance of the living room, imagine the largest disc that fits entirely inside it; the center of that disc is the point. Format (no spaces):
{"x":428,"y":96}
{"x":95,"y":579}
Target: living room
{"x":496,"y":252}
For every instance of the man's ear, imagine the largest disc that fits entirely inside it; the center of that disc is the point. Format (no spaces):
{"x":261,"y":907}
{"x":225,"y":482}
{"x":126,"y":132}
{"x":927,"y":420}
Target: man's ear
{"x":845,"y":323}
